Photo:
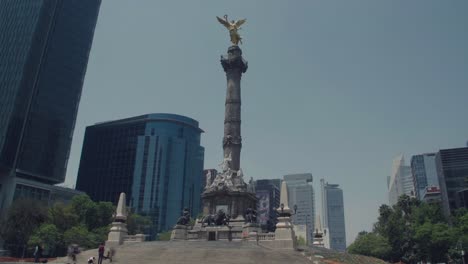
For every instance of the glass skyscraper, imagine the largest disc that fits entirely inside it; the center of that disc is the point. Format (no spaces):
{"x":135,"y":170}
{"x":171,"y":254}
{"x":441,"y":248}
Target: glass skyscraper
{"x":301,"y":193}
{"x":44,"y":50}
{"x":156,"y":159}
{"x":333,"y":215}
{"x":452,"y":171}
{"x":401,"y":181}
{"x":268,"y":195}
{"x":424,"y":171}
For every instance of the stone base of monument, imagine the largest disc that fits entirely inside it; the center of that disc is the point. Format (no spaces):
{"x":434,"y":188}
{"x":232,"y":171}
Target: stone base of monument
{"x":284,"y":235}
{"x":232,"y":232}
{"x":237,"y":230}
{"x":233,"y":203}
{"x":117,"y":234}
{"x":250,"y":230}
{"x":179,"y":232}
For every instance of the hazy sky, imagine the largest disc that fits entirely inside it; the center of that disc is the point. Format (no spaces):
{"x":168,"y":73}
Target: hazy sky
{"x":334,"y":88}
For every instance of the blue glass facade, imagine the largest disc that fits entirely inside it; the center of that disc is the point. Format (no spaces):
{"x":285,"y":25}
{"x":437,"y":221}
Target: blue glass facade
{"x":423,"y":169}
{"x":301,"y":193}
{"x":419,"y":174}
{"x":333,"y":215}
{"x":156,"y":159}
{"x":44,"y":49}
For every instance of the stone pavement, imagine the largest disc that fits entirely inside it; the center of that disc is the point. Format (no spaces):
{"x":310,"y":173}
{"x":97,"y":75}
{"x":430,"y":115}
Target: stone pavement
{"x":192,"y":252}
{"x":220,"y":252}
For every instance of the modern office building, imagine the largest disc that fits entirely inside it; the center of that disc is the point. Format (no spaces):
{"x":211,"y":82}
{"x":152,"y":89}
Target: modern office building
{"x":301,"y":194}
{"x":424,"y":171}
{"x":462,"y":198}
{"x":268,"y":195}
{"x":333,"y":215}
{"x":431,"y":194}
{"x":401,"y":180}
{"x":156,"y":159}
{"x":452,"y":170}
{"x":44,"y":50}
{"x":42,"y":192}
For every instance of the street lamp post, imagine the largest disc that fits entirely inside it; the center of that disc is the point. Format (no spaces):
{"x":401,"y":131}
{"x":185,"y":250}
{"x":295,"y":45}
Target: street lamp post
{"x":462,"y":251}
{"x":459,"y":246}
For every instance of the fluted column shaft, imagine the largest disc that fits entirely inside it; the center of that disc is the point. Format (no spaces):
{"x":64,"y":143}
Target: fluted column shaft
{"x":234,"y":65}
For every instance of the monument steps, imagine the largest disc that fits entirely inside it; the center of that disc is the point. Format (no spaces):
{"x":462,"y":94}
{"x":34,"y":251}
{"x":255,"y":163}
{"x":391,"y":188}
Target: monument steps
{"x":175,"y":252}
{"x":220,"y":252}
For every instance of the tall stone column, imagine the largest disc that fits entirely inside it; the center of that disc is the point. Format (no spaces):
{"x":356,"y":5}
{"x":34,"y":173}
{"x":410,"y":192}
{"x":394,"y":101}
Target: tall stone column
{"x":234,"y":65}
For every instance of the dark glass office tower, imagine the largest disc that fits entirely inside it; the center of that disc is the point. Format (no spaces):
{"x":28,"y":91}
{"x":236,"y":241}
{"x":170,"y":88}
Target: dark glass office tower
{"x":268,"y":195}
{"x":44,"y":49}
{"x":424,"y":171}
{"x":156,"y":159}
{"x":333,"y":215}
{"x":452,"y":171}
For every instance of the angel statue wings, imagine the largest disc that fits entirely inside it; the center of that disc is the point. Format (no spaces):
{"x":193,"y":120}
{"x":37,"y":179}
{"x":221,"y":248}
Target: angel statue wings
{"x":233,"y":27}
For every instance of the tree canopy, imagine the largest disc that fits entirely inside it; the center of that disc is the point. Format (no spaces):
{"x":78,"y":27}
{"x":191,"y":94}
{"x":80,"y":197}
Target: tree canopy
{"x":22,"y":218}
{"x":30,"y":223}
{"x":413,"y":231}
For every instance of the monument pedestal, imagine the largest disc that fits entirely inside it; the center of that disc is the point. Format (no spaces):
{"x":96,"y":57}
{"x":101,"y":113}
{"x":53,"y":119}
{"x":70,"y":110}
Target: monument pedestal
{"x":117,"y":234}
{"x":118,"y":230}
{"x":233,"y":203}
{"x":250,"y":230}
{"x":179,"y":232}
{"x":284,"y":234}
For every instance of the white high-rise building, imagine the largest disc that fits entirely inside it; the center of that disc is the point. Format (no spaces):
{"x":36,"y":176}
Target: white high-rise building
{"x":333,"y":216}
{"x":401,"y":181}
{"x":301,"y":194}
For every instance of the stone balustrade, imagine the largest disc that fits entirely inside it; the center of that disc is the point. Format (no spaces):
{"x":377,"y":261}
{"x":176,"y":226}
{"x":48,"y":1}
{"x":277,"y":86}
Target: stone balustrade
{"x":135,"y":238}
{"x":266,"y":236}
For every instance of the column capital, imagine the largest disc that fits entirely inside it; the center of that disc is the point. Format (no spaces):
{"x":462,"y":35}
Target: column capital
{"x":234,"y":60}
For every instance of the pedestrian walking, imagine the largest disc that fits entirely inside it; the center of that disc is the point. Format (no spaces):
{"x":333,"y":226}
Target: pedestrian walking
{"x":101,"y":250}
{"x":110,"y":254}
{"x":37,"y":253}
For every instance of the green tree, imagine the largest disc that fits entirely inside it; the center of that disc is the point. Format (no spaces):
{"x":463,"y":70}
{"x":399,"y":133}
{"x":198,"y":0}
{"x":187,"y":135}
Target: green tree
{"x":23,"y":217}
{"x":460,"y":235}
{"x":105,"y":211}
{"x":81,"y":236}
{"x":391,"y":225}
{"x":47,"y":235}
{"x":415,"y":231}
{"x":164,"y":236}
{"x":433,"y":241}
{"x":86,"y":210}
{"x":138,"y":224}
{"x":100,"y":234}
{"x":301,"y":241}
{"x":428,"y":212}
{"x":371,"y":244}
{"x":62,"y":217}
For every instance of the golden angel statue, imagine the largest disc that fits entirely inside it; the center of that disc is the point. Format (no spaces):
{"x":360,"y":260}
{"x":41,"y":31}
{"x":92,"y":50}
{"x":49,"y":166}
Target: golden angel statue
{"x":233,"y":27}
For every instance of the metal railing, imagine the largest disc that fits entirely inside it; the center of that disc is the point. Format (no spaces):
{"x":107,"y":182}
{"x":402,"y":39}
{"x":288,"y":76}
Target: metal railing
{"x":266,"y":236}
